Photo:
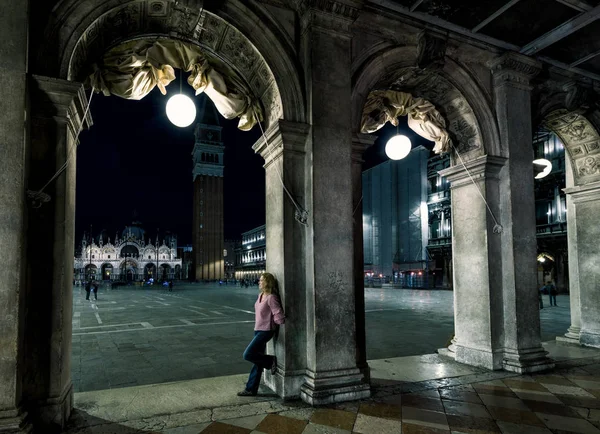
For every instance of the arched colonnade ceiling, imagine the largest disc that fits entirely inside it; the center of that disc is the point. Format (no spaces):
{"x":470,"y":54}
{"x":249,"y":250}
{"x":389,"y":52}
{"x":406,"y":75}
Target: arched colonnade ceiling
{"x":455,"y":94}
{"x":81,"y":32}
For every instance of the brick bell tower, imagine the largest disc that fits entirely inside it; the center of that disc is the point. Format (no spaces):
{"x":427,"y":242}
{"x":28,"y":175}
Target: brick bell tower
{"x":207,"y":233}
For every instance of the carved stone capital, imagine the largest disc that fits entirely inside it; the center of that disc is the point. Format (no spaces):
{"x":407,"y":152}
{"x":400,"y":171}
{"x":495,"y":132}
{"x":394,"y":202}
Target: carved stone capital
{"x":431,"y":50}
{"x":360,"y":143}
{"x":480,"y":168}
{"x":514,"y":69}
{"x":332,"y":15}
{"x":287,"y":135}
{"x":577,"y":96}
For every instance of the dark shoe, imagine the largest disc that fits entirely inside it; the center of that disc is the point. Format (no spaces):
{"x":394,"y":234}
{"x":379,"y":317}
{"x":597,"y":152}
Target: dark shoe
{"x":246,"y":393}
{"x":274,"y":366}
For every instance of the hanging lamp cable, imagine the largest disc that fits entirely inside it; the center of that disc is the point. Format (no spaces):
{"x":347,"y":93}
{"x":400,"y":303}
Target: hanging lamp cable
{"x":497,"y":226}
{"x":300,"y":214}
{"x":39,"y":197}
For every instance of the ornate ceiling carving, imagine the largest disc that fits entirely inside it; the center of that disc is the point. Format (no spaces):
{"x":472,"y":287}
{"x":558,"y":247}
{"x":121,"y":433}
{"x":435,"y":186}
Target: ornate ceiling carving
{"x":581,"y":141}
{"x":223,"y":44}
{"x":448,"y":100}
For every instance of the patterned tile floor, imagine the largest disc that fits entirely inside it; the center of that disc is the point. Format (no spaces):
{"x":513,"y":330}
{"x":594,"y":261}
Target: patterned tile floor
{"x":563,"y":401}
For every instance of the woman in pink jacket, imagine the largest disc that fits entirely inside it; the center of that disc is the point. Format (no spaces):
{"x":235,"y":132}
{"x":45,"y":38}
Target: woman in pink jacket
{"x":268,"y":315}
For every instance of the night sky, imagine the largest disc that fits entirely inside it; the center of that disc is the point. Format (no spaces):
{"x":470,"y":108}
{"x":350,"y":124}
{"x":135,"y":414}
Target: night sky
{"x":133,"y":160}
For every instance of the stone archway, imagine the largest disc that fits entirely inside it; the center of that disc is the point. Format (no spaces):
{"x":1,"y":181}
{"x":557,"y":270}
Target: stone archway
{"x":582,"y":160}
{"x":486,"y":140}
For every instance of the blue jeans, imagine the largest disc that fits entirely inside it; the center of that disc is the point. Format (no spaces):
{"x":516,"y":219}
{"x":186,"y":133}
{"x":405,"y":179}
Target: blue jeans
{"x":255,"y":353}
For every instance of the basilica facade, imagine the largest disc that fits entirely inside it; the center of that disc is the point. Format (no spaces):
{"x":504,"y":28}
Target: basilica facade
{"x":130,"y":257}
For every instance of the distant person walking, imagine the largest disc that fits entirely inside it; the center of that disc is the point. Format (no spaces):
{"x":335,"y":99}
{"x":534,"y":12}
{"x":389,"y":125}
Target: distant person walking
{"x":170,"y":286}
{"x":95,"y":290}
{"x":551,"y":292}
{"x":88,"y":288}
{"x":268,"y":315}
{"x":540,"y":292}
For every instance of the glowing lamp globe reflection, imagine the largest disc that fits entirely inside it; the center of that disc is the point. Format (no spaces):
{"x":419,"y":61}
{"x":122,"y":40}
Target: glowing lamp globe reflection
{"x":181,"y":110}
{"x":547,"y":167}
{"x":398,"y":147}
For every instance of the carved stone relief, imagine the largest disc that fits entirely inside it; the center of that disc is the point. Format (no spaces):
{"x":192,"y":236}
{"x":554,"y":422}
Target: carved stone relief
{"x":163,"y":18}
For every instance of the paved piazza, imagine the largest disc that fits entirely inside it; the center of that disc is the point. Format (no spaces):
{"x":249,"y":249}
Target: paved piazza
{"x":134,"y":335}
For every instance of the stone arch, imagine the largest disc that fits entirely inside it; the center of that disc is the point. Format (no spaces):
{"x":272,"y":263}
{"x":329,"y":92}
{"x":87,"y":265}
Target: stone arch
{"x":581,"y":140}
{"x":456,"y":95}
{"x":229,"y":32}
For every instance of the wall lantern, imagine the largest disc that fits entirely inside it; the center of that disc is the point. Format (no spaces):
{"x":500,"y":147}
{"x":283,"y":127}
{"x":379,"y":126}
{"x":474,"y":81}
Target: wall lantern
{"x":398,"y":147}
{"x":544,"y":164}
{"x":181,"y":110}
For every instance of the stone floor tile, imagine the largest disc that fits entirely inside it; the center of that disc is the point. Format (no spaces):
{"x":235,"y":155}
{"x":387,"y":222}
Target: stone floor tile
{"x":413,"y":400}
{"x":489,"y":389}
{"x":555,"y":422}
{"x":513,"y":428}
{"x":190,"y":429}
{"x":432,"y":393}
{"x":223,"y":428}
{"x":315,"y":428}
{"x":417,"y":416}
{"x":335,"y":418}
{"x":385,"y":411}
{"x":558,"y":380}
{"x":550,"y":408}
{"x":409,"y":428}
{"x":532,"y":395}
{"x":392,"y":399}
{"x":466,"y":409}
{"x":519,"y":384}
{"x":460,"y":395}
{"x":298,"y":413}
{"x":503,"y":401}
{"x":249,"y":422}
{"x":587,"y":384}
{"x":515,"y":416}
{"x":577,"y":401}
{"x":276,"y":424}
{"x":469,"y":424}
{"x":368,"y":425}
{"x":568,"y":390}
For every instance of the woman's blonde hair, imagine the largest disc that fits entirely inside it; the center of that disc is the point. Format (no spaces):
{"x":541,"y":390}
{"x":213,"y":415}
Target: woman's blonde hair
{"x":270,"y":286}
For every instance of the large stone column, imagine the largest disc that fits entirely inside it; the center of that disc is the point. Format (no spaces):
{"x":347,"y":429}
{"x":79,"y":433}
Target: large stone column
{"x":583,"y":209}
{"x":286,"y":241}
{"x":13,"y":141}
{"x":360,"y":143}
{"x":332,"y":373}
{"x":573,"y":333}
{"x":477,"y":263}
{"x":523,"y":351}
{"x":57,"y":111}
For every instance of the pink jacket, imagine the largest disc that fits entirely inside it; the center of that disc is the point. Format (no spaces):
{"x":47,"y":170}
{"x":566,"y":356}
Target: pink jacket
{"x":268,"y":312}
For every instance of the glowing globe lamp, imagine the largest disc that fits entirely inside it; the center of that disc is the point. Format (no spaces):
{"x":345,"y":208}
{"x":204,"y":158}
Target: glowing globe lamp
{"x":547,"y":167}
{"x":181,"y":110}
{"x":398,"y":147}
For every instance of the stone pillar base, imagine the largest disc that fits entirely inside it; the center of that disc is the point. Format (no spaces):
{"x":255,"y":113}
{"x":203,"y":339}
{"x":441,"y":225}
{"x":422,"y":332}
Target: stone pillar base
{"x":447,"y":352}
{"x":487,"y":359}
{"x":334,"y":386}
{"x":14,"y":421}
{"x":527,"y":361}
{"x":568,"y":340}
{"x":55,"y":412}
{"x":365,"y":370}
{"x":286,"y":384}
{"x":589,"y":339}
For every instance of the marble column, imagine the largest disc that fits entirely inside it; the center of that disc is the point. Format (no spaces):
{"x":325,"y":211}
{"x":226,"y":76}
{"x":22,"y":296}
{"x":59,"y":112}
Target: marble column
{"x":573,"y":333}
{"x":13,"y":143}
{"x":57,"y":108}
{"x":284,"y":153}
{"x":523,"y":351}
{"x":360,"y":143}
{"x":476,"y":257}
{"x":332,"y":374}
{"x":583,"y":209}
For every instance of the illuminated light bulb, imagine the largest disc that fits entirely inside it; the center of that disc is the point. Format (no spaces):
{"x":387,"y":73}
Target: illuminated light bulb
{"x":181,"y":110}
{"x":398,"y":147}
{"x":547,"y":167}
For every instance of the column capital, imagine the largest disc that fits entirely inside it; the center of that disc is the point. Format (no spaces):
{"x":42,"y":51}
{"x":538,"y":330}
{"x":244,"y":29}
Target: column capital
{"x":584,"y":193}
{"x":487,"y":166}
{"x":334,"y":15}
{"x":63,"y":100}
{"x":360,"y":143}
{"x":287,"y":135}
{"x":514,"y":69}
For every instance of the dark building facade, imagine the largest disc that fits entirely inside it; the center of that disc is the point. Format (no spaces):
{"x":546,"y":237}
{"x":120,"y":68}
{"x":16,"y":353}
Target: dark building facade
{"x":207,"y":232}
